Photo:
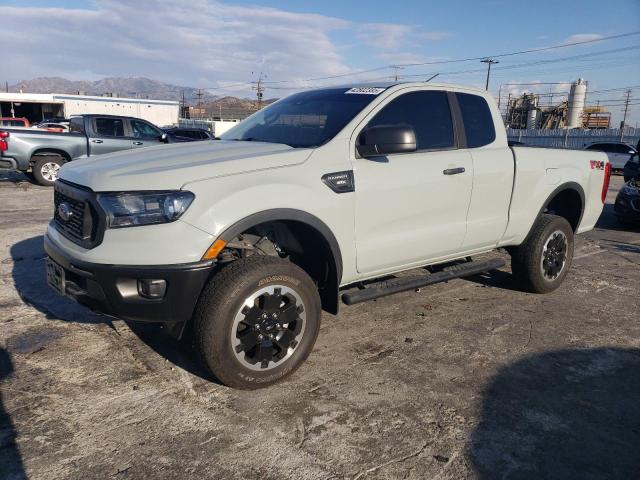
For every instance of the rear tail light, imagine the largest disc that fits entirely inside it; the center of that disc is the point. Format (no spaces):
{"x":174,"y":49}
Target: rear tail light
{"x":3,"y":141}
{"x":605,"y":184}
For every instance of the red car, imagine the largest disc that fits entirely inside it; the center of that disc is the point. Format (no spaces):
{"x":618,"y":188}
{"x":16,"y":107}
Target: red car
{"x":14,"y":122}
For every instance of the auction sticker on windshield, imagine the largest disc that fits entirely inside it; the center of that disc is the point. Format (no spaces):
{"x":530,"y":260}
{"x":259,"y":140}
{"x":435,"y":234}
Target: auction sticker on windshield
{"x":366,"y":90}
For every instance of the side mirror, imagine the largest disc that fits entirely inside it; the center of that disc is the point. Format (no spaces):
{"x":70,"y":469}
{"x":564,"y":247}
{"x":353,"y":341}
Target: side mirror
{"x":386,"y":140}
{"x":164,"y":138}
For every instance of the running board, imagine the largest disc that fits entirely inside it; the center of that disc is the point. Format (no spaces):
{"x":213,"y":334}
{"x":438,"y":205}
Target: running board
{"x":402,"y":284}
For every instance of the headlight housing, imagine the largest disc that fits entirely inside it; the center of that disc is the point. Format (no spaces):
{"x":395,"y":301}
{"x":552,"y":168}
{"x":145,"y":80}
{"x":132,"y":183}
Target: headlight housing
{"x":131,"y":209}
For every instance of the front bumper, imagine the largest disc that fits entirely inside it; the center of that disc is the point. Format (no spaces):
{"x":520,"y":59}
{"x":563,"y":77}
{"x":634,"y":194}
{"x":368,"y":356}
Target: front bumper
{"x":112,"y":289}
{"x":627,"y":207}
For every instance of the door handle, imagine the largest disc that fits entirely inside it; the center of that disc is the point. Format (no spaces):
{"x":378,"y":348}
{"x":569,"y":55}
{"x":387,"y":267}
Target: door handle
{"x":138,"y":143}
{"x":96,"y":141}
{"x":453,"y":171}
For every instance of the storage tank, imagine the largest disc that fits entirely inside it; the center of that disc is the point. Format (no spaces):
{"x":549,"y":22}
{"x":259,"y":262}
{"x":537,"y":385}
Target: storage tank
{"x":577,"y":96}
{"x":532,"y":118}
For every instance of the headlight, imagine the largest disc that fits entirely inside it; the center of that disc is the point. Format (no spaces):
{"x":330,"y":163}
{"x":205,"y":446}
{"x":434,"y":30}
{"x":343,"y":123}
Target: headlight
{"x":630,"y":191}
{"x":142,"y":208}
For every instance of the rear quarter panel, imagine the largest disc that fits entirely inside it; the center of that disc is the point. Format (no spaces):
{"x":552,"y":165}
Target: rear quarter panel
{"x":24,"y":143}
{"x":542,"y":171}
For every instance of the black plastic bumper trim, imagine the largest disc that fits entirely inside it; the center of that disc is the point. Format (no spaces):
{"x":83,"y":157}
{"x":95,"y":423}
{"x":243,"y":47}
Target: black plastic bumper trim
{"x":96,"y":286}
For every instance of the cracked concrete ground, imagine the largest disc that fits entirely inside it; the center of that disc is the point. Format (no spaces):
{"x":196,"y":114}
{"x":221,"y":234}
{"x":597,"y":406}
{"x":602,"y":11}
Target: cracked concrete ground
{"x":466,"y":380}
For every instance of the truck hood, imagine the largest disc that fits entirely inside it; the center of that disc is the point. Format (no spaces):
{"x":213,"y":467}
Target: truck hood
{"x":169,"y":167}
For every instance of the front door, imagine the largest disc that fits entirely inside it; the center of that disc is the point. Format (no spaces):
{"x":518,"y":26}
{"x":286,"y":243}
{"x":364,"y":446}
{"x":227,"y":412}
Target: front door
{"x":108,"y":136}
{"x":144,"y":134}
{"x":412,"y":208}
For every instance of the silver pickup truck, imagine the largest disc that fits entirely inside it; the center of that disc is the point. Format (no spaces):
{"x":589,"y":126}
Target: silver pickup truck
{"x":42,"y":153}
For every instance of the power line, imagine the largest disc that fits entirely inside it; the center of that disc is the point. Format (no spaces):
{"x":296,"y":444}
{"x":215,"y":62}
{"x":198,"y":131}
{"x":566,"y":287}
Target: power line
{"x":442,"y":62}
{"x":459,"y":60}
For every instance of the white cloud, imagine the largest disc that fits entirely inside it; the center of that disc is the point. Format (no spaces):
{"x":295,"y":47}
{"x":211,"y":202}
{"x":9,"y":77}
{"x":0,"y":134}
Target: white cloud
{"x":582,"y":37}
{"x":434,"y":35}
{"x":393,"y":36}
{"x":190,"y":42}
{"x":385,"y":36}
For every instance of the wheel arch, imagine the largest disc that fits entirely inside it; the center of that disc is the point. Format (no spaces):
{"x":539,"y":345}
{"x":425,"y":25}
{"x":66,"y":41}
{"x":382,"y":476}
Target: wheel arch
{"x":567,"y":201}
{"x":321,"y":232}
{"x":48,"y":150}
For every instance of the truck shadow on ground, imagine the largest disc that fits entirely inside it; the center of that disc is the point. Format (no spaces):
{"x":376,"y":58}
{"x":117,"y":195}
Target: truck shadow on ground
{"x":30,"y":281}
{"x":609,"y":221}
{"x":562,"y":414}
{"x":10,"y":459}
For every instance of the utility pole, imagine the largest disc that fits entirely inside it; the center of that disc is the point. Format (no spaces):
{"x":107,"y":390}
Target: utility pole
{"x":183,"y":107}
{"x":6,"y":87}
{"x":489,"y":62}
{"x":199,"y":93}
{"x":624,"y":117}
{"x":396,"y":68}
{"x":259,"y":88}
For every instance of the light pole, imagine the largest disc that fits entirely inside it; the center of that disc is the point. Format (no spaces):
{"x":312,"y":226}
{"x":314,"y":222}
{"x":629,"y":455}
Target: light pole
{"x":489,"y":62}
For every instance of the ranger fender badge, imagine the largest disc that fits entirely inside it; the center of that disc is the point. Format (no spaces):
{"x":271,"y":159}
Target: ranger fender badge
{"x":340,"y":182}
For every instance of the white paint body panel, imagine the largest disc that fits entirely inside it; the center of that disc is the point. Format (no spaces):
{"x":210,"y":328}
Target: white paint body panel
{"x":396,"y":219}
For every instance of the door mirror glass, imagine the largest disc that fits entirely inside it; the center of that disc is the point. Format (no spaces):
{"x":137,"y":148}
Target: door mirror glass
{"x":164,"y":138}
{"x":386,"y":140}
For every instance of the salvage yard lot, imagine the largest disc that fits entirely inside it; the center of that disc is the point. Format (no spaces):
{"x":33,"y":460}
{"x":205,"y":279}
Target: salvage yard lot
{"x":469,"y":379}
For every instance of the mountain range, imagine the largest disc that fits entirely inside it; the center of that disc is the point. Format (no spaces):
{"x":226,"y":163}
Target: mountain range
{"x":136,"y":87}
{"x":140,"y":87}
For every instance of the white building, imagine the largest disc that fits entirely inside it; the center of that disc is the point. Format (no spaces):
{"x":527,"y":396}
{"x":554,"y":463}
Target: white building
{"x":38,"y":106}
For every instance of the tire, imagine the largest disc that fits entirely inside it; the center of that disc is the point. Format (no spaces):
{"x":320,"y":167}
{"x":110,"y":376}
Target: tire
{"x":224,"y":331}
{"x":46,"y":167}
{"x":541,"y":263}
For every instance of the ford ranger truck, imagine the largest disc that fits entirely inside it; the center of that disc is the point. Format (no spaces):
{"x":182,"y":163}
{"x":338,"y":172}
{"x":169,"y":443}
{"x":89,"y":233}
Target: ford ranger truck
{"x":41,"y":153}
{"x":246,"y":240}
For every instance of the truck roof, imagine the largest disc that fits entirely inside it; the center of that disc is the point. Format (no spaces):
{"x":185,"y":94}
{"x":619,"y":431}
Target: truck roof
{"x":390,"y":84}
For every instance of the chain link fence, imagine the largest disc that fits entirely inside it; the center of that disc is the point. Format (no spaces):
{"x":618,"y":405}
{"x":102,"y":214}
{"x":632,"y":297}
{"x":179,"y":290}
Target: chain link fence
{"x":576,"y":139}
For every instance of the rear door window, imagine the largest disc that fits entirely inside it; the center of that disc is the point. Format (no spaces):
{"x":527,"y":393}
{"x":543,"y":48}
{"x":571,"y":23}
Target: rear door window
{"x":478,"y":121}
{"x":427,"y":112}
{"x":109,"y":127}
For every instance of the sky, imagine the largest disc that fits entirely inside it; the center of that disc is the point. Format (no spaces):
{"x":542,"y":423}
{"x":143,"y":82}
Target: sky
{"x":223,"y":46}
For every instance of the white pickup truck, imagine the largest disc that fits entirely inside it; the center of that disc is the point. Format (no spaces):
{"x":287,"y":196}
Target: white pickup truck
{"x":245,"y":240}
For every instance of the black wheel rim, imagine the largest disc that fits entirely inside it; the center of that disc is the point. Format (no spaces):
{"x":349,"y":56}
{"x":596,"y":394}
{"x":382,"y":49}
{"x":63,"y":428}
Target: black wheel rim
{"x":554,"y":255}
{"x":268,"y":327}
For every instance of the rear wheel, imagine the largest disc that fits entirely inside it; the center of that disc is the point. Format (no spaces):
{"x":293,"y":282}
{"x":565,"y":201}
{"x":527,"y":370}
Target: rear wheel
{"x":542,"y":261}
{"x":46,"y":167}
{"x":257,"y":321}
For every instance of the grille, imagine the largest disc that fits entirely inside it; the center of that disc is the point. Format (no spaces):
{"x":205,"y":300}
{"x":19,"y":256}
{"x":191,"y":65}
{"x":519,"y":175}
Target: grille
{"x":78,"y":226}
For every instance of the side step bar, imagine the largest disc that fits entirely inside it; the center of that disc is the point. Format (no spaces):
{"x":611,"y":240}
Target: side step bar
{"x":402,"y":284}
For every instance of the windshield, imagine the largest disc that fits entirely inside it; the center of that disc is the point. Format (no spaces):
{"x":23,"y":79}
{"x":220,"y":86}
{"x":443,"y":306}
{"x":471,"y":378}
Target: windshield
{"x":303,"y":120}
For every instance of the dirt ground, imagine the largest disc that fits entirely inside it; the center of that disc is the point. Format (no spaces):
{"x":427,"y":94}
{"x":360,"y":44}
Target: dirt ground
{"x":466,"y":380}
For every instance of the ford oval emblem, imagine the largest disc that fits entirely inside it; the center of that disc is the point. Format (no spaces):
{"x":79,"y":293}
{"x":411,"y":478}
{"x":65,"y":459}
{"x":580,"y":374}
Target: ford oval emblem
{"x":64,"y":212}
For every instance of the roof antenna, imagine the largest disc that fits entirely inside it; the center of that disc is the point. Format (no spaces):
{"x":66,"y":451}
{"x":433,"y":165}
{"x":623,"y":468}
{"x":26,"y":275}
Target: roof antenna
{"x":431,"y":77}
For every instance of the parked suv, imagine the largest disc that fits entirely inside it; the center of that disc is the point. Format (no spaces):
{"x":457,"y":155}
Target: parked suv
{"x":247,"y":239}
{"x":617,"y":152}
{"x":185,"y":134}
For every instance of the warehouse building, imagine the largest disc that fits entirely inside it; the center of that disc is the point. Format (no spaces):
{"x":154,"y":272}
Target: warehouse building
{"x":37,"y":107}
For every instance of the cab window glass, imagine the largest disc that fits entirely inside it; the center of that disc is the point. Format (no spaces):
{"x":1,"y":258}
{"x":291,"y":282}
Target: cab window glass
{"x":426,"y":112}
{"x":143,"y":130}
{"x":477,"y":120}
{"x":109,"y":127}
